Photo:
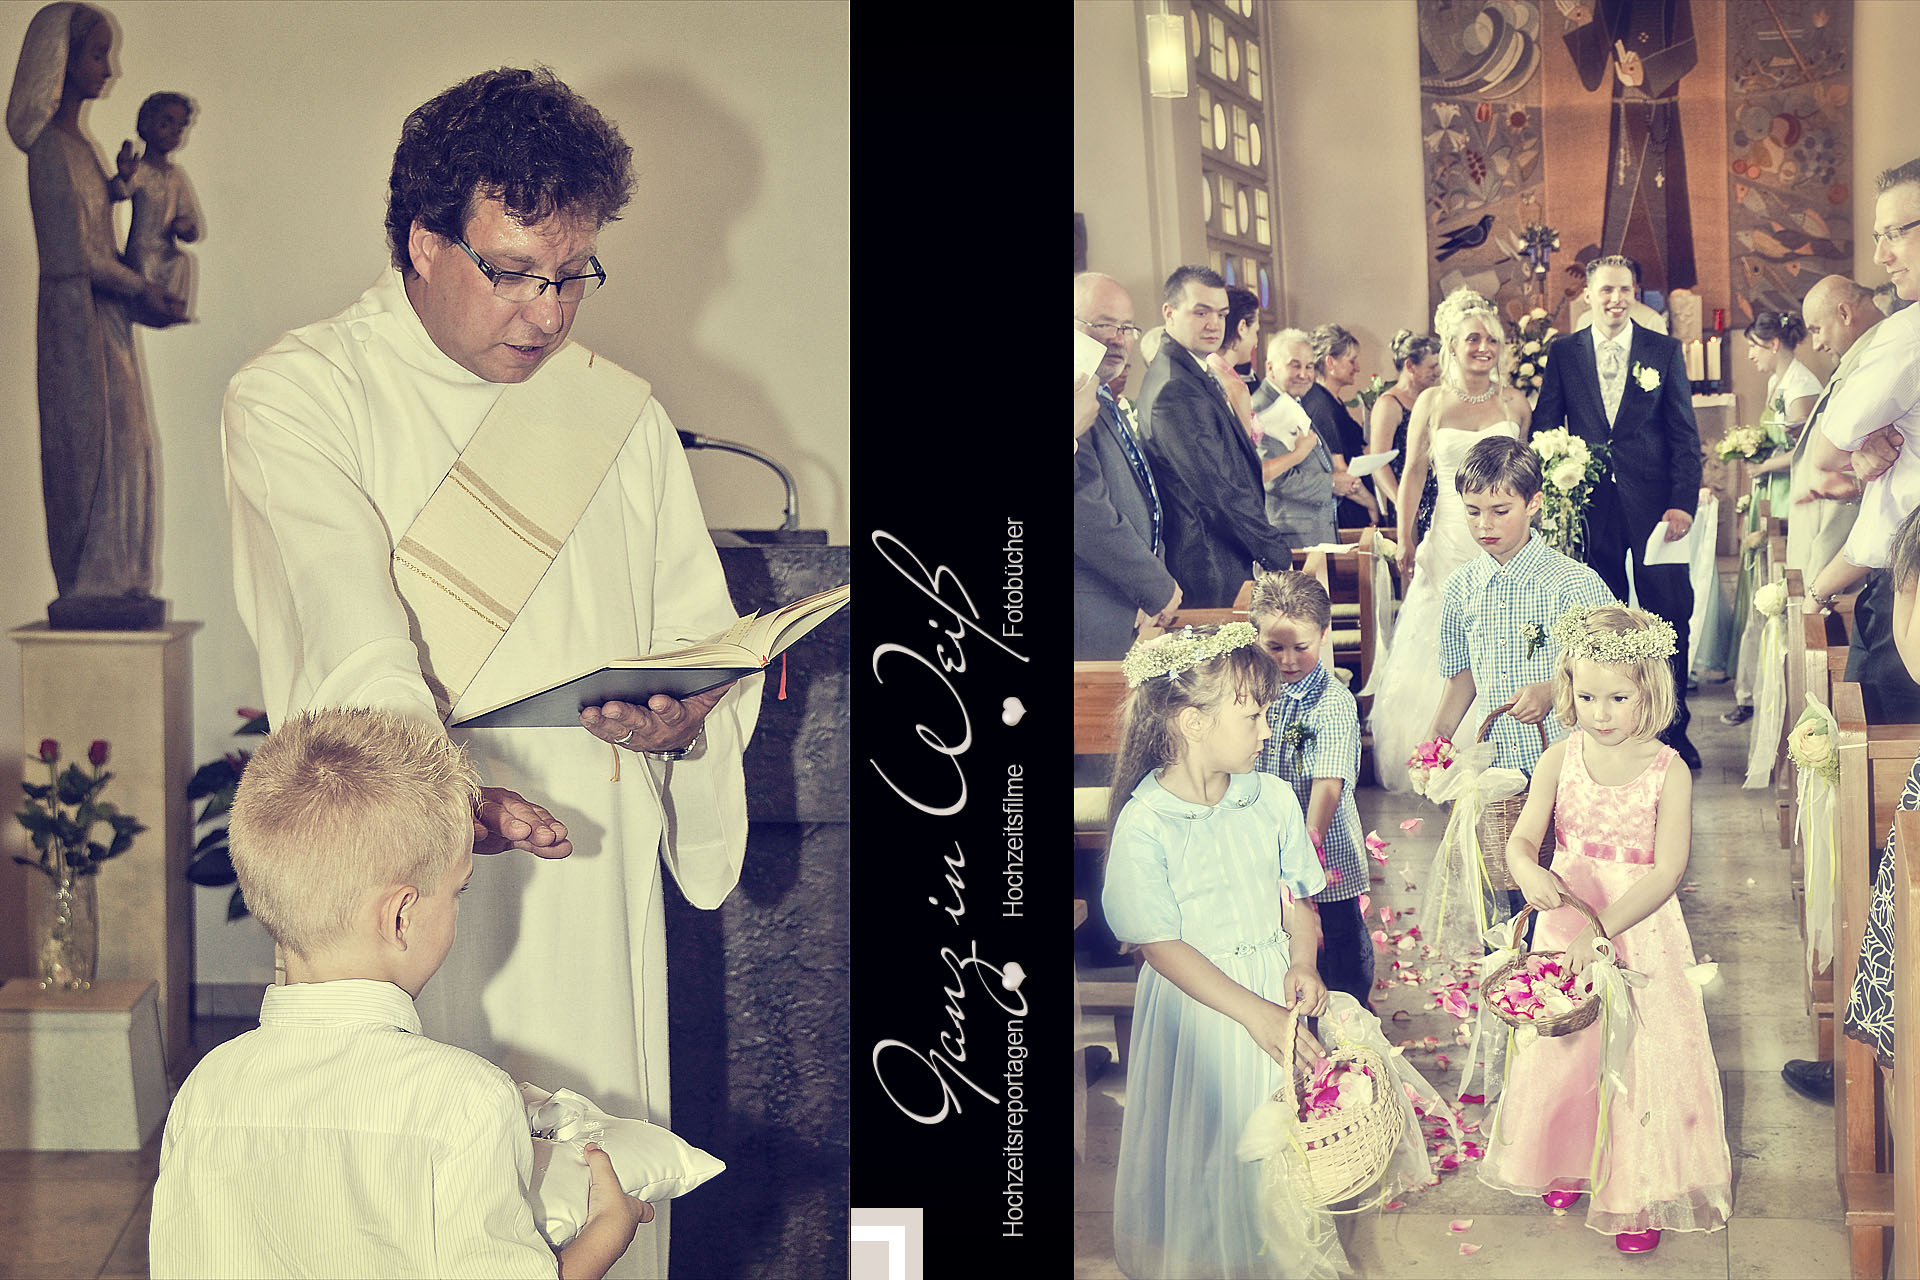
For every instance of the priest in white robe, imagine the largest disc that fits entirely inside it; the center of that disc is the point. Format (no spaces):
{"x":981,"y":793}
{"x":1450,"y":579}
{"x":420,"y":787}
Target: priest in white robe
{"x":335,"y":440}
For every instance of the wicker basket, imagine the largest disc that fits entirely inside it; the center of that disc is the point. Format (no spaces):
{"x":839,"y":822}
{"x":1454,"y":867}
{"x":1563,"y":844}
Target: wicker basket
{"x":1578,"y":1018}
{"x":1498,"y":817}
{"x":1348,"y":1151}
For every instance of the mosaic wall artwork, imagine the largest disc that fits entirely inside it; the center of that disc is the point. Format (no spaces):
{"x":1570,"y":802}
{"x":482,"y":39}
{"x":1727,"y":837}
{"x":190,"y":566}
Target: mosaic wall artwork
{"x":1711,"y":142}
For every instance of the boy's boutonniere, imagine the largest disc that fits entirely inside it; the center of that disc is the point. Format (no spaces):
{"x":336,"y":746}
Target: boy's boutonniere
{"x":1298,"y":735}
{"x":1647,"y":376}
{"x":1535,"y":635}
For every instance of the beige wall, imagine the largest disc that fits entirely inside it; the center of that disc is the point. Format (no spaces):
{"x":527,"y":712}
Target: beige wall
{"x":727,"y":277}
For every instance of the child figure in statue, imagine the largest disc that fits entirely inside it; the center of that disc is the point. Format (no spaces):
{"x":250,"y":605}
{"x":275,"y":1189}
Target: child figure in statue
{"x":164,"y":210}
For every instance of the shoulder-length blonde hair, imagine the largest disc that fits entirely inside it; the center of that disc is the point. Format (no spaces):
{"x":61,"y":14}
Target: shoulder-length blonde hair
{"x":1651,"y":677}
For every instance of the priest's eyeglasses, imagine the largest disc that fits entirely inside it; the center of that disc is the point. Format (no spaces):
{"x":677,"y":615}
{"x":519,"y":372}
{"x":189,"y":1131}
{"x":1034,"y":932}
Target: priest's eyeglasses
{"x":1892,"y":234}
{"x":519,"y":287}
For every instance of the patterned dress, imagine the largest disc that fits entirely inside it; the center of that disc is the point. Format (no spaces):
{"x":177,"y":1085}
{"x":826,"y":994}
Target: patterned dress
{"x":1664,"y":1163}
{"x":1870,"y":1006}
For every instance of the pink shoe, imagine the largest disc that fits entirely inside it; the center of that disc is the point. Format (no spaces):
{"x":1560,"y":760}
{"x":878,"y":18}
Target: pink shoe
{"x":1638,"y":1241}
{"x":1559,"y":1199}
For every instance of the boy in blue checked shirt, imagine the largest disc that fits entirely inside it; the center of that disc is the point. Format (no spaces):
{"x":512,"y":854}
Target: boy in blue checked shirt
{"x":1315,"y":748}
{"x":1498,"y":610}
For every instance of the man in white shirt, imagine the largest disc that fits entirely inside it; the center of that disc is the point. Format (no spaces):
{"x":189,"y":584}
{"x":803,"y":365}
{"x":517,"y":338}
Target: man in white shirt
{"x":337,"y":437}
{"x":1882,"y":391}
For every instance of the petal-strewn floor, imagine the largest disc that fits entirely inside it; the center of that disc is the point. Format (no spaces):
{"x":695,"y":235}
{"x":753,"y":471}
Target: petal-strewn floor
{"x":1787,"y":1219}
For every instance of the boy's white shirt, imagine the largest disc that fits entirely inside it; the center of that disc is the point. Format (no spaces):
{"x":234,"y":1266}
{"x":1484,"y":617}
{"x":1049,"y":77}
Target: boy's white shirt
{"x":338,"y":1140}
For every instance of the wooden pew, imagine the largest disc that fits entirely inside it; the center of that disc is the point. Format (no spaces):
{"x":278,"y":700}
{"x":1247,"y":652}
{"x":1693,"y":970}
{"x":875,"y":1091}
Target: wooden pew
{"x":1906,"y":1071}
{"x":1874,"y":763}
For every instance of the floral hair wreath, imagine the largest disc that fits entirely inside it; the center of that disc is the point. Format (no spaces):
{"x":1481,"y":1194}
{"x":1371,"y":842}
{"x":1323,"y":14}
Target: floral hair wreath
{"x":1176,"y":651}
{"x":1574,"y":636}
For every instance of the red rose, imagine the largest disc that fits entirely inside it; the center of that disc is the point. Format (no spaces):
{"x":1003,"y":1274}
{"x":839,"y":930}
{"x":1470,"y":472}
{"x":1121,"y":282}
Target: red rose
{"x":249,"y":713}
{"x":49,"y":750}
{"x":1518,"y":120}
{"x":97,"y":753}
{"x":1483,"y":111}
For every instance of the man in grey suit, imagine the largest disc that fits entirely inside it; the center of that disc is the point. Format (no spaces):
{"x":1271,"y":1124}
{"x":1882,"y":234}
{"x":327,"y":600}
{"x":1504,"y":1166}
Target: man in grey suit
{"x":1119,"y":572}
{"x":1204,"y":461}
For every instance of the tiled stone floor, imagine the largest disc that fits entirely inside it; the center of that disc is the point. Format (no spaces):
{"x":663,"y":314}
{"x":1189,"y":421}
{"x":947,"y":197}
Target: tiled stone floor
{"x":1786,"y":1221}
{"x":84,"y":1213}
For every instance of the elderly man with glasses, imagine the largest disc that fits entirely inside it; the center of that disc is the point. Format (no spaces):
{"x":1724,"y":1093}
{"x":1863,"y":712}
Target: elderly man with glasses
{"x":1120,"y":574}
{"x":441,"y":504}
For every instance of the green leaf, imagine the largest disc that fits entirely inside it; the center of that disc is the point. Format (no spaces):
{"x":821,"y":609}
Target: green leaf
{"x":217,"y":803}
{"x":256,"y":725}
{"x":122,"y":841}
{"x":36,"y":790}
{"x":99,"y":852}
{"x":73,"y":785}
{"x":40,"y":824}
{"x":216,"y":838}
{"x":213,"y":868}
{"x":236,"y":905}
{"x":212,"y":777}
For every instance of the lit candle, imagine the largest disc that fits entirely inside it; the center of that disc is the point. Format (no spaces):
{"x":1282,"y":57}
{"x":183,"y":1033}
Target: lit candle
{"x":1713,"y":359}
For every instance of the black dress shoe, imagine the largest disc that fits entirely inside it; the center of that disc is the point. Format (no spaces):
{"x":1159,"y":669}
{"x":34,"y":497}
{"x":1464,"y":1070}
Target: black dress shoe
{"x":1810,"y":1079}
{"x":1739,"y":715}
{"x":1685,"y":750}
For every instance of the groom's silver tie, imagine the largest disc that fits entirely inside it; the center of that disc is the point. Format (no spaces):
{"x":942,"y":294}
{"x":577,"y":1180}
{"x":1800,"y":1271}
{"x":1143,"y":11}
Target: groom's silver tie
{"x":1613,"y":376}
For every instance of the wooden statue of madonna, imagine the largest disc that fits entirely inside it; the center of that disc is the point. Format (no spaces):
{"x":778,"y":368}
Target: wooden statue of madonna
{"x":96,"y":449}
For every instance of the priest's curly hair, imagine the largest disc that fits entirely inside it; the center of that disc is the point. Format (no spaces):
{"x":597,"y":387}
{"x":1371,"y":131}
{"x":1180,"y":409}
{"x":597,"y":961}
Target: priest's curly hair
{"x":520,"y":137}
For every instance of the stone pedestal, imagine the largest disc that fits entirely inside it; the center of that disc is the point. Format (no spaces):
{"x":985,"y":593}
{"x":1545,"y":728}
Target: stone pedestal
{"x":757,"y":995}
{"x":82,"y":1069}
{"x":134,"y":689}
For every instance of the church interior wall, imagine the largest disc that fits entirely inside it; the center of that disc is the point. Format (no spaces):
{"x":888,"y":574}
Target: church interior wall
{"x":727,"y":276}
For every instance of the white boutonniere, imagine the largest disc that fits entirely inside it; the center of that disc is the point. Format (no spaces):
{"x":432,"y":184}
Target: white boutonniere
{"x":1647,"y":376}
{"x":1128,"y":415}
{"x":1535,"y":635}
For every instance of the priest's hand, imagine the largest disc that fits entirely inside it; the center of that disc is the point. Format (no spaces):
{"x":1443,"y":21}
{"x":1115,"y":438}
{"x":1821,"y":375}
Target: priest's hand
{"x":665,"y":723}
{"x":504,"y":820}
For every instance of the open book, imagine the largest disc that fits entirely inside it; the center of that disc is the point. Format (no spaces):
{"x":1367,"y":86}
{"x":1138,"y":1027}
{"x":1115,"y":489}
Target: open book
{"x":742,"y":649}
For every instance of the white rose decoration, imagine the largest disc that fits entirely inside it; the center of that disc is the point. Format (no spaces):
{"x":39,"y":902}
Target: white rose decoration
{"x":1648,"y":377}
{"x":1538,"y":313}
{"x":1567,"y":475}
{"x":1530,"y":349}
{"x":1526,"y":370}
{"x":1771,"y":599}
{"x":1578,"y":451}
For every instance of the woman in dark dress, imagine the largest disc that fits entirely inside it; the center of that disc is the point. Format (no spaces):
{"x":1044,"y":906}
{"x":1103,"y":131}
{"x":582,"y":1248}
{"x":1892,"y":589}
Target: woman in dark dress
{"x":1416,"y":357}
{"x":1336,"y":363}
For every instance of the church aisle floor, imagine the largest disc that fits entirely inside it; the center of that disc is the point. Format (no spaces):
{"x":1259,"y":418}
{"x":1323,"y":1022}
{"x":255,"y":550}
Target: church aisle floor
{"x":1786,"y":1215}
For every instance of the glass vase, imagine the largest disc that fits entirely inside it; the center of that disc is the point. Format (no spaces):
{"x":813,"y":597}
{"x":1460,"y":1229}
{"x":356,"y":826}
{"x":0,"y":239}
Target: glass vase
{"x":66,"y":930}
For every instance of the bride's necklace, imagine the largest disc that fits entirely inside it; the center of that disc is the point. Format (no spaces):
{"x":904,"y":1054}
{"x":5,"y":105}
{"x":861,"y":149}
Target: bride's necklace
{"x":1492,"y":390}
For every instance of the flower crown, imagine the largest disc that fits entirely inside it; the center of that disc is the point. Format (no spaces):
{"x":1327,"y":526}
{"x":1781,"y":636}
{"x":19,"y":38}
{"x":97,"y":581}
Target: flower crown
{"x":1575,"y":638}
{"x":1176,"y":651}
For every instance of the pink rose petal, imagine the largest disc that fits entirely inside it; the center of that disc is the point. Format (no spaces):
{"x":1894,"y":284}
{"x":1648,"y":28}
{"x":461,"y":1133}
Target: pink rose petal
{"x":1411,"y":824}
{"x":1460,"y":1224}
{"x":1366,"y":901}
{"x":1401,"y":1015}
{"x":1474,"y":1099}
{"x":1393,"y":1205}
{"x":1468,"y":1250}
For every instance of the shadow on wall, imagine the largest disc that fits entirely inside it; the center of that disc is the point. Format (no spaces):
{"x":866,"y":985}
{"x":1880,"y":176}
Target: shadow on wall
{"x":697,"y":168}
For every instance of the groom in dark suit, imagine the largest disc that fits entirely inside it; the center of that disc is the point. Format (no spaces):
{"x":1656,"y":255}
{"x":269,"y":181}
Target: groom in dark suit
{"x":1619,"y":385}
{"x":1203,"y":460}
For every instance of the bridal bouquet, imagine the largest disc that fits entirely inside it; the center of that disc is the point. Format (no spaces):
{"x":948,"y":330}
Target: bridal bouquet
{"x":1753,"y":444}
{"x":1570,"y":466}
{"x":1527,"y":368}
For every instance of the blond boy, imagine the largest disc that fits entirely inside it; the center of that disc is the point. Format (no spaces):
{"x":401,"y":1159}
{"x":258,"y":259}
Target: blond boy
{"x":336,"y":1139}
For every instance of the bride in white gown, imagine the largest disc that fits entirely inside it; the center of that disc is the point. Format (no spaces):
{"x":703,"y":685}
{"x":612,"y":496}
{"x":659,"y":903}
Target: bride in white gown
{"x":1471,"y":402}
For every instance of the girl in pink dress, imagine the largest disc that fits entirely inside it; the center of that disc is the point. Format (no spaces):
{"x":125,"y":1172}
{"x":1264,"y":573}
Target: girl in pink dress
{"x":1623,"y":817}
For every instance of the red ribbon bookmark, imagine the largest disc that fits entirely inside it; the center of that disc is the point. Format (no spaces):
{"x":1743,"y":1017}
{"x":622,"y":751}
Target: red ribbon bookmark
{"x":783,"y":679}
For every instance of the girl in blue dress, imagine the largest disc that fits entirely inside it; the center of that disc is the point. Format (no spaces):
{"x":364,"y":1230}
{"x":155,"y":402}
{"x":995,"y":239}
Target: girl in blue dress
{"x":1210,"y":873}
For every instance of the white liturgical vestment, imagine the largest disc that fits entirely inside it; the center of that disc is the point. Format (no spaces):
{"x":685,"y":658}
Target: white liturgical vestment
{"x":335,"y":438}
